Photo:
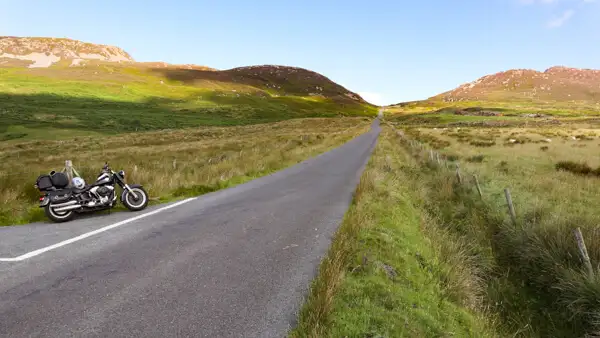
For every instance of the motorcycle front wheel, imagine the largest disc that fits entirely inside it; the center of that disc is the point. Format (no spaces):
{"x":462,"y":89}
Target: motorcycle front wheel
{"x":136,"y":199}
{"x":58,"y":217}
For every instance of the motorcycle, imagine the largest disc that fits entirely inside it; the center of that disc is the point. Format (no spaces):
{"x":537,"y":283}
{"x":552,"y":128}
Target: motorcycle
{"x":62,"y":199}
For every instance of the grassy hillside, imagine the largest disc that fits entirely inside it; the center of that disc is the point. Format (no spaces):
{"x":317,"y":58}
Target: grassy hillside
{"x":558,"y":91}
{"x":102,"y":97}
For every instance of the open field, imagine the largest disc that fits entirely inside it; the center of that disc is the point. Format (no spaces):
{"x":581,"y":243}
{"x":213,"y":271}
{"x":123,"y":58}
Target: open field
{"x":535,"y":281}
{"x":507,"y":108}
{"x":391,"y":270}
{"x":171,"y":164}
{"x":110,"y":98}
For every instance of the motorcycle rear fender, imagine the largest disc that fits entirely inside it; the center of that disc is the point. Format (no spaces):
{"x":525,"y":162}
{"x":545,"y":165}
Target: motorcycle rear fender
{"x":124,"y":193}
{"x":44,"y":202}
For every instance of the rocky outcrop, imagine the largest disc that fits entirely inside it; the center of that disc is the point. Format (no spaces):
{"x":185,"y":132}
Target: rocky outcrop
{"x":44,"y":52}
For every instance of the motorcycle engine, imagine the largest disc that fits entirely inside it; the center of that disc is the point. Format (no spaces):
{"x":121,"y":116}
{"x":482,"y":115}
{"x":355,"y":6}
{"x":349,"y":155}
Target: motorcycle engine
{"x":103,"y":196}
{"x":104,"y":191}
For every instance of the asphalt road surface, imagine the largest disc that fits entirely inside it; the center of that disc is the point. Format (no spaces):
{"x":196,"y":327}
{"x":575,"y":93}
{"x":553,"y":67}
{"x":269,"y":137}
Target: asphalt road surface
{"x":233,"y":263}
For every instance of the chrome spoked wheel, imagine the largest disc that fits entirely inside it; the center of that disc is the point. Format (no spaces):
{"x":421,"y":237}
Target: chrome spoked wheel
{"x":136,"y":199}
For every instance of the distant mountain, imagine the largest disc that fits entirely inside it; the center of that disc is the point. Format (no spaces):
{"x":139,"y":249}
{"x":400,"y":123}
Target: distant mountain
{"x":555,"y":84}
{"x":52,"y":52}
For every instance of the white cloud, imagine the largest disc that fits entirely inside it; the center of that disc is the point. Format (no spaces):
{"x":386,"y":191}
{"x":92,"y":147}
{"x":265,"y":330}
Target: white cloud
{"x":374,"y":98}
{"x":561,"y":20}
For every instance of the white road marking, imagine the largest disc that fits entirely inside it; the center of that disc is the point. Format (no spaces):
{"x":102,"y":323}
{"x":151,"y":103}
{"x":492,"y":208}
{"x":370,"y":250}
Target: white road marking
{"x":91,"y":233}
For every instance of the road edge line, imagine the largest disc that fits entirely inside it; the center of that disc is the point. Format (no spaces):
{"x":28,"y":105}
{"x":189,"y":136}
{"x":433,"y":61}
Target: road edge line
{"x":92,"y":233}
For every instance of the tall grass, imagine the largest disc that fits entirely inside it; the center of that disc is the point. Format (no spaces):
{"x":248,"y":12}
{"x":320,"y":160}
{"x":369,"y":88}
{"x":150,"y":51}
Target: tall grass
{"x":535,"y":282}
{"x":170,"y":164}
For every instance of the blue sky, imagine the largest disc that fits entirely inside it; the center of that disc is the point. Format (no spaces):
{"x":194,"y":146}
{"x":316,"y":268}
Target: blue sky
{"x":389,"y":51}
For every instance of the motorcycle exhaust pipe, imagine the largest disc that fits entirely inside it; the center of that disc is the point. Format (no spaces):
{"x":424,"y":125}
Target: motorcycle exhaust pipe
{"x":54,"y":206}
{"x":67,"y":208}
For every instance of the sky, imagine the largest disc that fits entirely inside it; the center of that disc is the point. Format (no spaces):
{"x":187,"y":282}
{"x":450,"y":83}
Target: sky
{"x":387,"y":51}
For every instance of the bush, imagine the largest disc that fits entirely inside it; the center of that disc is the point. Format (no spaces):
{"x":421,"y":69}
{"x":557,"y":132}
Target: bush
{"x":581,"y":168}
{"x":544,"y":148}
{"x":482,"y":143}
{"x":476,"y":159}
{"x":452,"y":157}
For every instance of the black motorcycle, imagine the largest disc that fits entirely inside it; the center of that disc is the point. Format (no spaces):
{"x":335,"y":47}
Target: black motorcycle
{"x":61,"y":200}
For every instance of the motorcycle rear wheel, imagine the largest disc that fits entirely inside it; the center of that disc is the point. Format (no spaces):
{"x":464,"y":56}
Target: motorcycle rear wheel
{"x":58,"y":217}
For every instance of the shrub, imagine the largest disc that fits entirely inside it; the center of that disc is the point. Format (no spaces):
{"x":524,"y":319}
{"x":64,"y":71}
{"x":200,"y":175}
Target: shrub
{"x":544,"y":148}
{"x":452,"y":157}
{"x":580,"y":168}
{"x":482,"y":143}
{"x":12,"y":136}
{"x":503,"y":166}
{"x":476,"y":159}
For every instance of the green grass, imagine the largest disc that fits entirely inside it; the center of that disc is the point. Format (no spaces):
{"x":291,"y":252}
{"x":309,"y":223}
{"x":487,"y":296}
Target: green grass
{"x":390,"y":271}
{"x":111,"y":99}
{"x":555,"y":108}
{"x":170,"y":164}
{"x":534,"y":282}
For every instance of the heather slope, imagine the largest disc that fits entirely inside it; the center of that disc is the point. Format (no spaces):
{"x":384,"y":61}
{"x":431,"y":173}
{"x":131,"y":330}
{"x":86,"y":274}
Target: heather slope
{"x":557,"y":91}
{"x":554,"y":84}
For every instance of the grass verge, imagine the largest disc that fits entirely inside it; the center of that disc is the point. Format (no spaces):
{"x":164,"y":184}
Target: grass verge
{"x":391,"y":270}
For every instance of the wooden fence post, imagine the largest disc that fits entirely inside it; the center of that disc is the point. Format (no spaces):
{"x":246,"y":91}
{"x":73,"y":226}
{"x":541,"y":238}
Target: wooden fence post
{"x":511,"y":207}
{"x":458,"y":177}
{"x":478,"y":187}
{"x":69,"y":170}
{"x":583,"y":251}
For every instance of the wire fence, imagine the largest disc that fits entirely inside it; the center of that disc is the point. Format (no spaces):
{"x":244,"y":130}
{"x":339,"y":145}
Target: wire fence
{"x":470,"y":180}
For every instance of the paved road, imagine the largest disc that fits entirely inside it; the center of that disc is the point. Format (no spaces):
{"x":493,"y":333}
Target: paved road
{"x":234,"y":263}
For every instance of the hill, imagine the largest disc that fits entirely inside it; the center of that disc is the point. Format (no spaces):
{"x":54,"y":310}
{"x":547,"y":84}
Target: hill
{"x":44,"y":52}
{"x":554,"y":84}
{"x":559,"y":91}
{"x":53,"y":87}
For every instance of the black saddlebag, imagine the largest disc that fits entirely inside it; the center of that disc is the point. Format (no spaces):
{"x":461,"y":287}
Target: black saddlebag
{"x":60,"y":180}
{"x":60,"y":196}
{"x":44,"y":182}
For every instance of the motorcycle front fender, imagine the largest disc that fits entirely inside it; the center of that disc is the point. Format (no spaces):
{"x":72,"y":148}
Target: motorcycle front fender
{"x":125,"y":191}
